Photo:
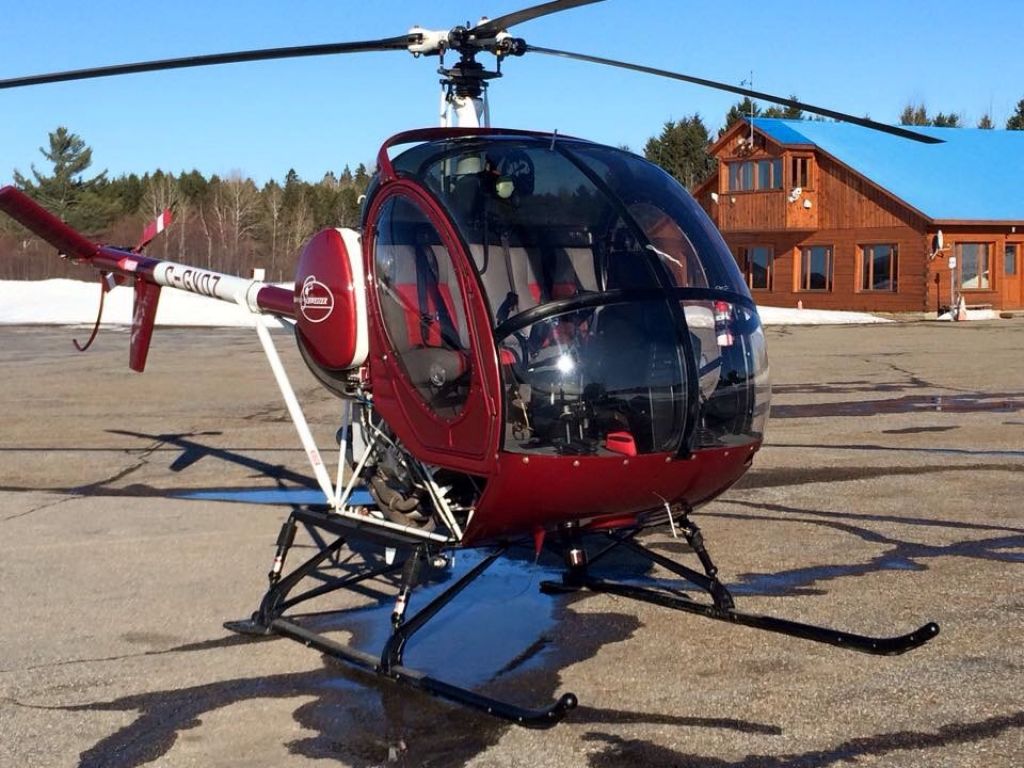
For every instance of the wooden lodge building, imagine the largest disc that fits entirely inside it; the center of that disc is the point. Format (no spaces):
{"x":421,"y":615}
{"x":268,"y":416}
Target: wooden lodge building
{"x":837,"y":216}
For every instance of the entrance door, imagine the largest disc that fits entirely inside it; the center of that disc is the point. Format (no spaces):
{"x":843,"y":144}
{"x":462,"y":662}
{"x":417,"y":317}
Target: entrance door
{"x":433,"y":362}
{"x":1013,"y":284}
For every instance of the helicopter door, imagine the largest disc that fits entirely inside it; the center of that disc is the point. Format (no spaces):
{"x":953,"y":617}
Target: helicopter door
{"x":428,"y":383}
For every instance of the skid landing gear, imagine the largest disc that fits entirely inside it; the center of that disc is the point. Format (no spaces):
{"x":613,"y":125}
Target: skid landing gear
{"x":722,"y":606}
{"x":412,"y":558}
{"x":336,"y":565}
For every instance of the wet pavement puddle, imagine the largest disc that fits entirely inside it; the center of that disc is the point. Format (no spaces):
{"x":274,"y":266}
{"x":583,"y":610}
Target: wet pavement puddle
{"x":1010,"y":402}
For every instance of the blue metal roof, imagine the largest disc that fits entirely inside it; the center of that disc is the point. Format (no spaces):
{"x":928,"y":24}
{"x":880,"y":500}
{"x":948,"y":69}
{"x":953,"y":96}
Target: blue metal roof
{"x":974,"y":175}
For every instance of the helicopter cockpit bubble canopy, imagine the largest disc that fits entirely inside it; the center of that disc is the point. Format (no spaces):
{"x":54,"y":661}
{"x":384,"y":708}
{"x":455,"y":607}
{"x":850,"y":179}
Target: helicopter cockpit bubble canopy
{"x":621,"y":321}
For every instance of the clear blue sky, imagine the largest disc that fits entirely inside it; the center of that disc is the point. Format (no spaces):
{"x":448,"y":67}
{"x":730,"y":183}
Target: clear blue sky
{"x":318,"y":114}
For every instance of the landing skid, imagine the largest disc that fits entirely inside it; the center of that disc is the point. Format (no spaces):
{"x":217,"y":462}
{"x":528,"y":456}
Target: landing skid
{"x":722,"y":605}
{"x":417,"y":555}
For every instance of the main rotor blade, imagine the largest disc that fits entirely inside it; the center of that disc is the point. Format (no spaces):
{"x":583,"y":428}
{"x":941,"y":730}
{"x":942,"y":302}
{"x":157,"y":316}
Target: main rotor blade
{"x":894,"y":130}
{"x":262,"y":54}
{"x":492,"y":27}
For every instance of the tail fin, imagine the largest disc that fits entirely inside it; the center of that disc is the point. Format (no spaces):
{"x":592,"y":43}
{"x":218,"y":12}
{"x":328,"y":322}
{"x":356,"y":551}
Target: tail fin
{"x":147,"y":296}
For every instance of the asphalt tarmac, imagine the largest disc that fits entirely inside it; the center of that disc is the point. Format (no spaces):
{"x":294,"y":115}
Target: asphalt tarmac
{"x":888,"y":494}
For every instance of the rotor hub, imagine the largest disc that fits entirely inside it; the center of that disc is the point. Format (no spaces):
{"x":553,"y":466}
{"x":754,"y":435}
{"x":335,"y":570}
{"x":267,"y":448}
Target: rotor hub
{"x":468,"y":78}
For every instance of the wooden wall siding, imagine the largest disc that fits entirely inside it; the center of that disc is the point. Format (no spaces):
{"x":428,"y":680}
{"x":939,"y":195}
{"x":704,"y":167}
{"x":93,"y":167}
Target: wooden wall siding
{"x":912,"y":295}
{"x":703,"y":198}
{"x":751,"y":211}
{"x":847,"y":200}
{"x":801,"y":216}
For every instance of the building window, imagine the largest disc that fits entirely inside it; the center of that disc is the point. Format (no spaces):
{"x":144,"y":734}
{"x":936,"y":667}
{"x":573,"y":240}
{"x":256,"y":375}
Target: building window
{"x":769,"y":174}
{"x":816,"y":268}
{"x":755,"y":175}
{"x":1010,"y":259}
{"x":973,"y":260}
{"x":879,"y":267}
{"x":756,"y":261}
{"x":746,"y":175}
{"x":800,"y":172}
{"x":741,"y":176}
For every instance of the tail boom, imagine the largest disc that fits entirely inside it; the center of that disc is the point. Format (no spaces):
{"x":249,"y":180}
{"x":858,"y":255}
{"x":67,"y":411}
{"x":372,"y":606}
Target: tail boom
{"x":146,"y":274}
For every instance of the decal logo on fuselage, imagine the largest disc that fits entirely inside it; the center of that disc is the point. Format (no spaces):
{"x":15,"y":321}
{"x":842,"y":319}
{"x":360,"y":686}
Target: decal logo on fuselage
{"x":316,"y":302}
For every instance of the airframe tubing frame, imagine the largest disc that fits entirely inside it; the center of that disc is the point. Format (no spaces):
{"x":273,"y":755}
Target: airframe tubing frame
{"x":334,"y":496}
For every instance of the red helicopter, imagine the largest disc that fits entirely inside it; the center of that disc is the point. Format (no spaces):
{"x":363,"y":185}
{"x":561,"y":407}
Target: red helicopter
{"x":534,"y":337}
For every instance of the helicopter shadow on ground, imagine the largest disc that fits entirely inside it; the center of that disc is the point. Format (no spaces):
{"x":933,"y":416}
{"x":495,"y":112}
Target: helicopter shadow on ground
{"x":897,"y":554}
{"x":510,"y":641}
{"x":193,"y":450}
{"x":188,"y":451}
{"x":898,"y":745}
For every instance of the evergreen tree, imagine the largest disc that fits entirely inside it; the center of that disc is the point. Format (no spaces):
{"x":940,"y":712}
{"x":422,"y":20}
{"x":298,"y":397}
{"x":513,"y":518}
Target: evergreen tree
{"x":682,"y":150}
{"x":193,"y":187}
{"x":915,"y":114}
{"x":323,"y":198}
{"x":952,"y":120}
{"x":66,"y":192}
{"x":361,"y":179}
{"x":348,"y":207}
{"x":1016,"y":120}
{"x":986,"y":122}
{"x":296,"y":212}
{"x":128,"y":190}
{"x":294,"y":189}
{"x":741,"y":110}
{"x":786,"y":113}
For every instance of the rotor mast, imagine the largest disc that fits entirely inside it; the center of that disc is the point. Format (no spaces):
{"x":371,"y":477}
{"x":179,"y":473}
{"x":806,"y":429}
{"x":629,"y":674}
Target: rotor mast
{"x":464,"y":84}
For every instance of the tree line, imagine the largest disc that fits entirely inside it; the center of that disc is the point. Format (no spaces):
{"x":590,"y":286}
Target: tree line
{"x":231,"y":225}
{"x":224,"y":223}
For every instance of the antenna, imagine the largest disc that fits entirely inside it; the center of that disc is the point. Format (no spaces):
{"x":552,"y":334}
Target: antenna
{"x":749,"y":83}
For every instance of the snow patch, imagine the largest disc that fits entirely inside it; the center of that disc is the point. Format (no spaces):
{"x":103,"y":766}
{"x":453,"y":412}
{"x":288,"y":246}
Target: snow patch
{"x":74,"y":302}
{"x":790,"y":316}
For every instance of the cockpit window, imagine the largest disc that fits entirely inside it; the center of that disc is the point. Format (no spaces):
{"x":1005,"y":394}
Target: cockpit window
{"x":673,"y":223}
{"x":618,"y":310}
{"x":537,"y":226}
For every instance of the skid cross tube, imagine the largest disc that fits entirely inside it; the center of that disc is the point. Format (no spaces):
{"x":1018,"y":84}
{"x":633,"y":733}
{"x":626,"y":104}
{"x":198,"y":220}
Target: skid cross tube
{"x":395,"y":647}
{"x":270,"y":619}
